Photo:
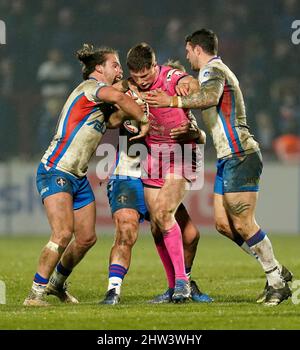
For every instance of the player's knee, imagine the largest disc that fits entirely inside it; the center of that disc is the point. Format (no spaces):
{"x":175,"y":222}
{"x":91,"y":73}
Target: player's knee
{"x":86,"y":241}
{"x":162,"y":217}
{"x":62,"y":238}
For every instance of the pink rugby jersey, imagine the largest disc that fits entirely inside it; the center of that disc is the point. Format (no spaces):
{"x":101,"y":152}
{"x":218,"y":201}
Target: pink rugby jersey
{"x":166,"y":155}
{"x":164,"y":119}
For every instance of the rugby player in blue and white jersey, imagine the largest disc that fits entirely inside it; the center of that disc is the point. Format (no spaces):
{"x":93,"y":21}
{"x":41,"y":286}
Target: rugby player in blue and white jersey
{"x":61,"y":177}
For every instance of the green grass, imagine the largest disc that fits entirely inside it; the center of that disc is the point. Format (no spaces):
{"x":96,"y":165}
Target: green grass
{"x":230,"y":276}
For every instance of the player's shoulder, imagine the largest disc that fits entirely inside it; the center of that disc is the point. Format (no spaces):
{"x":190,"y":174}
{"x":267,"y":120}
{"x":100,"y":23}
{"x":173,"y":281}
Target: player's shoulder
{"x":171,"y":73}
{"x":92,"y":84}
{"x":212,"y":70}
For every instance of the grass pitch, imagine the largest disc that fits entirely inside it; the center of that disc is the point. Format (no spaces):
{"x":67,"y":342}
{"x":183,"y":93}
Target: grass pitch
{"x":222,"y":270}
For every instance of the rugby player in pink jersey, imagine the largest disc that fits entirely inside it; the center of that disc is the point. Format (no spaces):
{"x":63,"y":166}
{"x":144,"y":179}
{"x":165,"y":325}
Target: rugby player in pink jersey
{"x":239,"y":164}
{"x":61,"y":177}
{"x":126,"y":198}
{"x":166,"y":181}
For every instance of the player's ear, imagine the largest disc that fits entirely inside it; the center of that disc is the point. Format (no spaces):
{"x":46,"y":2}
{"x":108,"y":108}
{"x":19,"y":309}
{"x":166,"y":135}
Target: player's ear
{"x":198,"y":50}
{"x":99,"y":68}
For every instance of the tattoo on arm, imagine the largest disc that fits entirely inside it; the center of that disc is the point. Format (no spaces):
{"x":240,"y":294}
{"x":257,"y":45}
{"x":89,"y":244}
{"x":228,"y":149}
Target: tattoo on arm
{"x":207,"y":96}
{"x":238,"y":208}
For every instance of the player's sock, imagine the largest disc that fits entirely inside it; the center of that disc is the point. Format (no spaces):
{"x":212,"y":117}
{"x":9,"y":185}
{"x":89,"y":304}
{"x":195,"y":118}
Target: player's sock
{"x":39,"y":284}
{"x":59,"y":275}
{"x":262,"y":246}
{"x":167,"y":262}
{"x":243,"y":245}
{"x":115,"y":277}
{"x":188,"y":272}
{"x":173,"y":242}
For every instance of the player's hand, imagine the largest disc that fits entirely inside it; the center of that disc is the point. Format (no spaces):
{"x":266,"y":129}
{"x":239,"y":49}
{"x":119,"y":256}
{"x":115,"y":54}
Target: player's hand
{"x":157,"y":98}
{"x":145,"y":127}
{"x":185,"y":132}
{"x":182,"y":89}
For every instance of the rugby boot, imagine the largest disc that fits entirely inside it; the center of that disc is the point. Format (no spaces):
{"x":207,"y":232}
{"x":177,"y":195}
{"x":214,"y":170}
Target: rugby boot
{"x":197,"y":295}
{"x":111,"y":297}
{"x":182,"y":291}
{"x":276,"y":296}
{"x":166,"y":297}
{"x":35,"y":299}
{"x":287,"y":277}
{"x":61,"y":293}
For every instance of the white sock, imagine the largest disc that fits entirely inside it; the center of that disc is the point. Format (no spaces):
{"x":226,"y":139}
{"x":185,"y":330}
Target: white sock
{"x":247,"y":249}
{"x":115,"y":282}
{"x":38,"y":289}
{"x":263,"y":249}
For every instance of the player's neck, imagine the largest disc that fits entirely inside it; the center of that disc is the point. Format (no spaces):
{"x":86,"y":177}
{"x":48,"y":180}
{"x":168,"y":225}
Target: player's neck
{"x":205,"y":59}
{"x":99,"y":77}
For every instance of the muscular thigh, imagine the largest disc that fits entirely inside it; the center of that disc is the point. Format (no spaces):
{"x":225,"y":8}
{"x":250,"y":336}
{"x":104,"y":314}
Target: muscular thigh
{"x":171,"y":194}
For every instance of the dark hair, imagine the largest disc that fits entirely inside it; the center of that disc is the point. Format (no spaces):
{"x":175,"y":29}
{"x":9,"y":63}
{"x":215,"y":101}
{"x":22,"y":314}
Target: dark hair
{"x":140,"y":57}
{"x":90,"y":57}
{"x":205,"y":38}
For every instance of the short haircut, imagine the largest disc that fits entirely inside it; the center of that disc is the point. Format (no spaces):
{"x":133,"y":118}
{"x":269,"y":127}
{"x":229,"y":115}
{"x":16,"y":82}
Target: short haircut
{"x":140,"y":57}
{"x":205,"y":38}
{"x":90,"y":57}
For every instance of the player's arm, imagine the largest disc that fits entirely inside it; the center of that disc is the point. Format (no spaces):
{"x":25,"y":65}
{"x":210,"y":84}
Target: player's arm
{"x":186,"y":86}
{"x":121,"y":85}
{"x":189,"y":131}
{"x":116,"y":119}
{"x":207,"y":95}
{"x":127,"y":105}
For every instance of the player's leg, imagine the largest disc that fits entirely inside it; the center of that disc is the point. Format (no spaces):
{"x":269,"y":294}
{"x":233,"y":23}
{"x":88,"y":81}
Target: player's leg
{"x":224,"y":225}
{"x":190,"y":237}
{"x":241,"y":177}
{"x":223,"y":221}
{"x":84,"y":238}
{"x":59,"y":209}
{"x":241,"y":208}
{"x":127,"y":225}
{"x":151,"y":194}
{"x":162,"y":212}
{"x":126,"y":199}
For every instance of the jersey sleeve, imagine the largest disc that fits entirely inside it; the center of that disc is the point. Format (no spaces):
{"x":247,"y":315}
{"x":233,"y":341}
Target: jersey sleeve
{"x":173,"y":77}
{"x":91,"y":90}
{"x":211,"y":73}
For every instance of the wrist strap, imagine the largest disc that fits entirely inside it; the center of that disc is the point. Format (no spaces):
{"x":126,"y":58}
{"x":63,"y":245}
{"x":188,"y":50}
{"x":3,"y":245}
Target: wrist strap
{"x":176,"y":102}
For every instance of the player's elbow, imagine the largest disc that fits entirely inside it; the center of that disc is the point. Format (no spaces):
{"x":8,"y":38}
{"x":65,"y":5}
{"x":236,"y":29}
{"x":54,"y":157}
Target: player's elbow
{"x":212,"y":101}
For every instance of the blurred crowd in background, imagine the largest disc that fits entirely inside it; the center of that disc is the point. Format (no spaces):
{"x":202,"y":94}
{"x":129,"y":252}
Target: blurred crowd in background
{"x":38,"y":68}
